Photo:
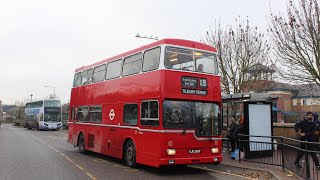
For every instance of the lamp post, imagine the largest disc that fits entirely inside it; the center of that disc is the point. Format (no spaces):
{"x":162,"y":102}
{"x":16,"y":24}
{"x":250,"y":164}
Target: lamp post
{"x":54,"y":90}
{"x":147,"y":37}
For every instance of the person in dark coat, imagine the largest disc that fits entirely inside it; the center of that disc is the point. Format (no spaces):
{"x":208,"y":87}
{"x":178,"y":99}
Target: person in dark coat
{"x":317,"y":133}
{"x":242,"y":129}
{"x":306,"y":129}
{"x":233,"y":134}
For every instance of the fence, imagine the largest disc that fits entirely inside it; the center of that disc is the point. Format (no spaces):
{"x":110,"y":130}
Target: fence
{"x":281,"y":151}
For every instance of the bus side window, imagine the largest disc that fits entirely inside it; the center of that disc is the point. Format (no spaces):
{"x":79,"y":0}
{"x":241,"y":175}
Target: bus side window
{"x":96,"y":114}
{"x":132,"y":64}
{"x":83,"y":114}
{"x":130,"y":116}
{"x":151,"y":59}
{"x":150,"y":113}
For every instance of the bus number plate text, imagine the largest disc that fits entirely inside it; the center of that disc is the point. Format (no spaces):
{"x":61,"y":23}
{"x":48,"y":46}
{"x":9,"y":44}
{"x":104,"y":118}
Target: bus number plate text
{"x":194,"y":151}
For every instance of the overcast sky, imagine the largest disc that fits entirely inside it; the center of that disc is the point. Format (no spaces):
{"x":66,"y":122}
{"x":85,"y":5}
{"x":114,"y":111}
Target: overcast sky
{"x":42,"y":42}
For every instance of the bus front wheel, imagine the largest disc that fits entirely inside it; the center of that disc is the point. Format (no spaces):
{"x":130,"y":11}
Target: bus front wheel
{"x":130,"y":154}
{"x":81,"y":144}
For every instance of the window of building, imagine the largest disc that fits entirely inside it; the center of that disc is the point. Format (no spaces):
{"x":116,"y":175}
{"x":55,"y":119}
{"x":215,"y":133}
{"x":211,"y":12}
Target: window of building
{"x":99,"y":73}
{"x":303,"y":101}
{"x":77,"y":80}
{"x":96,"y":114}
{"x":150,"y":113}
{"x":151,"y":59}
{"x":83,"y":114}
{"x":132,"y":64}
{"x":294,"y":102}
{"x":114,"y":69}
{"x":130,"y":116}
{"x":86,"y":76}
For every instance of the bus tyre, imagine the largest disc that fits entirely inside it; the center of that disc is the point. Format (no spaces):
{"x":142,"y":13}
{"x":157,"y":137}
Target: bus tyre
{"x":130,"y":154}
{"x":81,"y":144}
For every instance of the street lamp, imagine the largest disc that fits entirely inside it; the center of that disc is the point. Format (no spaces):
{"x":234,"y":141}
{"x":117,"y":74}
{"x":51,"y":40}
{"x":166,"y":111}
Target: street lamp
{"x":54,"y":90}
{"x":147,"y":37}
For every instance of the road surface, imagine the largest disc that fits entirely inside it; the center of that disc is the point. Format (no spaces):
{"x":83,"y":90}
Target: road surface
{"x":39,"y":155}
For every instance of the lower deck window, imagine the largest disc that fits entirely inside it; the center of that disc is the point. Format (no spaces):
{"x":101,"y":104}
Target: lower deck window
{"x":130,"y":115}
{"x":149,"y":113}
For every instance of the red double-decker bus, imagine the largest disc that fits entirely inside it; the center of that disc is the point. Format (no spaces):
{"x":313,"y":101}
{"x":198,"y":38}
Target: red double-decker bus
{"x":157,"y":105}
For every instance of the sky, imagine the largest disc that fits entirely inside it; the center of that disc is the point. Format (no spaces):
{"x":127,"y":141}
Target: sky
{"x":42,"y":42}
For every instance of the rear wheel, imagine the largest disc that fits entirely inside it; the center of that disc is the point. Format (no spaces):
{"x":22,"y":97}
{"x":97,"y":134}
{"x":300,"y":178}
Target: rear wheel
{"x":28,"y":126}
{"x":130,"y":154}
{"x":81,"y":143}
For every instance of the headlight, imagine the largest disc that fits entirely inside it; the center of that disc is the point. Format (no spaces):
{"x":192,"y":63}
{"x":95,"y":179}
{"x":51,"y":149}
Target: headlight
{"x":171,"y":152}
{"x":215,"y":150}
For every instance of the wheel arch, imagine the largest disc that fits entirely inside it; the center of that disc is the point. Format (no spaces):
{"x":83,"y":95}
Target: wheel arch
{"x":125,"y":143}
{"x":81,"y":133}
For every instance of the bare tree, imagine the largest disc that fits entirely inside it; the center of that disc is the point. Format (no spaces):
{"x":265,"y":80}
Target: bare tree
{"x":239,"y":47}
{"x":18,"y":111}
{"x":296,"y":38}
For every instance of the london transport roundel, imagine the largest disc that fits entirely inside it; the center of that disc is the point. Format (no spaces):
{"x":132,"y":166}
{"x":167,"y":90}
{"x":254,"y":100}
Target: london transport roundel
{"x":112,"y":114}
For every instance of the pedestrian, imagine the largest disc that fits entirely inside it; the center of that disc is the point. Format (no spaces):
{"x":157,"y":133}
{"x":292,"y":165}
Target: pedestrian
{"x":305,"y":130}
{"x":233,"y":133}
{"x":317,"y":132}
{"x":242,"y":129}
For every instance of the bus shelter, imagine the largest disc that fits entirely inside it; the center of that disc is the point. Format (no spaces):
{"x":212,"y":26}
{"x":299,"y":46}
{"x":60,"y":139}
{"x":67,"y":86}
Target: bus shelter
{"x":256,"y":110}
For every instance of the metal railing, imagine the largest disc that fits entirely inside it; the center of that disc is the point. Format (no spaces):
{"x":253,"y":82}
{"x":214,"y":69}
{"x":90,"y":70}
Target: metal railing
{"x":281,"y":151}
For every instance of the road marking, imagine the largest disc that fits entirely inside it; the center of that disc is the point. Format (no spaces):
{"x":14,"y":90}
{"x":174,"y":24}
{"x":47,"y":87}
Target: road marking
{"x":120,"y":166}
{"x":80,"y":167}
{"x":67,"y":158}
{"x":100,"y":160}
{"x":222,"y":172}
{"x":90,"y":175}
{"x":37,"y":138}
{"x":132,"y":170}
{"x":126,"y":168}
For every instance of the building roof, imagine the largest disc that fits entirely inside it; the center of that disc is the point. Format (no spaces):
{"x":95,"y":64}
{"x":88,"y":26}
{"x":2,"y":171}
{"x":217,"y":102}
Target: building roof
{"x":308,"y":89}
{"x":238,"y":97}
{"x":301,"y":90}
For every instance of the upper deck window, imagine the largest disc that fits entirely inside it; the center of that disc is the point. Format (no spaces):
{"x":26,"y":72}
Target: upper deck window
{"x":190,"y":60}
{"x":86,"y":76}
{"x":99,"y":73}
{"x":77,"y":80}
{"x":114,"y":69}
{"x":52,"y":103}
{"x":151,"y":59}
{"x":178,"y":58}
{"x":132,"y":64}
{"x":206,"y":62}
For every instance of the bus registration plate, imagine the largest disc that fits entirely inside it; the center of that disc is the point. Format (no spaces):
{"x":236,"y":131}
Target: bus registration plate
{"x":194,"y":151}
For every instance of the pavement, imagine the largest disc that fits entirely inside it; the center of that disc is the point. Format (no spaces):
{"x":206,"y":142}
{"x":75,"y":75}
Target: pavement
{"x":251,"y":170}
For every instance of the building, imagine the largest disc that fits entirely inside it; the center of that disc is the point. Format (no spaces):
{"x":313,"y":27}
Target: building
{"x":293,"y":101}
